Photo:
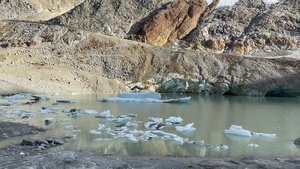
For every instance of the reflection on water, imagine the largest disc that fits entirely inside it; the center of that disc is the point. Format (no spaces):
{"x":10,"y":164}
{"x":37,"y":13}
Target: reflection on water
{"x":211,"y":115}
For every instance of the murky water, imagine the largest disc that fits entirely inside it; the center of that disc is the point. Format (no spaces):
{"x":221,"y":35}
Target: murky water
{"x":211,"y":116}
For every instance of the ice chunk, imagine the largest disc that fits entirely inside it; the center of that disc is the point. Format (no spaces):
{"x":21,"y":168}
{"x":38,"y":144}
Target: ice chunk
{"x":48,"y":119}
{"x":103,"y":139}
{"x":105,"y":114}
{"x":253,"y":145}
{"x":63,"y":101}
{"x":131,"y":138}
{"x":144,"y":95}
{"x":264,"y":135}
{"x":224,"y":147}
{"x":136,"y":132}
{"x":187,"y":128}
{"x":238,"y":130}
{"x":95,"y":132}
{"x":131,"y":125}
{"x":155,"y":119}
{"x":90,"y":112}
{"x":122,"y":120}
{"x":162,"y":134}
{"x":174,"y":120}
{"x":178,"y":140}
{"x":101,"y":127}
{"x":154,"y":125}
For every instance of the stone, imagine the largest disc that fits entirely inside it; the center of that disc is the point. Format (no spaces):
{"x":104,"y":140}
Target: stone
{"x":215,"y":44}
{"x":297,"y":141}
{"x":70,"y":159}
{"x":41,"y":141}
{"x":28,"y":142}
{"x":174,"y":22}
{"x":58,"y":141}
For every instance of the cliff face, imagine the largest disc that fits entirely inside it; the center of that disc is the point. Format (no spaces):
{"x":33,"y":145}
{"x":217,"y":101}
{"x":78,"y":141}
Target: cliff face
{"x":93,"y":62}
{"x":252,"y":28}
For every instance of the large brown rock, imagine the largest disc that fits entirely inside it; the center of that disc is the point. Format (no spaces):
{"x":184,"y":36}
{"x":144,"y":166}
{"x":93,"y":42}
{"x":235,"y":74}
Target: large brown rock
{"x":215,"y":44}
{"x":174,"y":22}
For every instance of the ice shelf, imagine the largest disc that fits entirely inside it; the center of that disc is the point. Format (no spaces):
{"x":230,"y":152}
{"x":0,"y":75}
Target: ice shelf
{"x":145,"y":97}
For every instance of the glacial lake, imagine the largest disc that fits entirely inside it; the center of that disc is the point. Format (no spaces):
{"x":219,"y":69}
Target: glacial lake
{"x":211,"y":115}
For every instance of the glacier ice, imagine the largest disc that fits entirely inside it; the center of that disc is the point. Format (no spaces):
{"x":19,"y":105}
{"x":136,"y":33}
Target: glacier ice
{"x":145,"y":97}
{"x":90,"y":112}
{"x":187,"y":128}
{"x":238,"y":130}
{"x":105,"y":114}
{"x":174,"y":120}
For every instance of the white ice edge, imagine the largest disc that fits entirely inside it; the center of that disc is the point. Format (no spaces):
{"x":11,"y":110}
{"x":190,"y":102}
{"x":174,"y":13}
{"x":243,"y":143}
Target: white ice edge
{"x":146,"y":100}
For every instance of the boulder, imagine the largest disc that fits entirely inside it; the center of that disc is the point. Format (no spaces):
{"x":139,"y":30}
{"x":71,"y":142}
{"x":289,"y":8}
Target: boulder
{"x":215,"y":44}
{"x":297,"y":141}
{"x":175,"y":21}
{"x":28,"y":142}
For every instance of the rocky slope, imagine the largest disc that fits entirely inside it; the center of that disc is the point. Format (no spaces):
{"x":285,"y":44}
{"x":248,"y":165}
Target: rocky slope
{"x":71,"y":53}
{"x":251,"y":28}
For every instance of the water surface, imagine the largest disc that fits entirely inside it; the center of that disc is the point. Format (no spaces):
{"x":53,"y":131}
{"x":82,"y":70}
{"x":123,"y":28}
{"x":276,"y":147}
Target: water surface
{"x":211,"y":116}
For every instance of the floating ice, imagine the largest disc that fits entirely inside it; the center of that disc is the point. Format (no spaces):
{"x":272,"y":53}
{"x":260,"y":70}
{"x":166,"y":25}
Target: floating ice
{"x":253,"y":145}
{"x":154,"y":123}
{"x":105,"y":114}
{"x":131,"y":125}
{"x":103,"y":139}
{"x":131,"y":138}
{"x":178,"y":140}
{"x":264,"y":135}
{"x":162,"y":134}
{"x":224,"y":147}
{"x":238,"y":130}
{"x":90,"y":112}
{"x":63,"y":101}
{"x":121,"y":120}
{"x":95,"y":132}
{"x":145,"y":97}
{"x":101,"y":127}
{"x":48,"y":119}
{"x":187,"y":128}
{"x":136,"y":132}
{"x":174,"y":120}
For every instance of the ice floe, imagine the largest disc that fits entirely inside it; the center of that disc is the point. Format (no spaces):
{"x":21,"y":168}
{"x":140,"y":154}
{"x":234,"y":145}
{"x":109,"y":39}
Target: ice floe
{"x":253,"y":145}
{"x":95,"y":132}
{"x":154,"y":124}
{"x":105,"y":114}
{"x":63,"y":101}
{"x":91,"y":112}
{"x":174,"y":120}
{"x":145,"y":97}
{"x":238,"y":130}
{"x":186,"y":129}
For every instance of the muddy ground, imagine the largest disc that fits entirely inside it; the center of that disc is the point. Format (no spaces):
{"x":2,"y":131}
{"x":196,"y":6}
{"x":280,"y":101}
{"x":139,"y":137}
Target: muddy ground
{"x":17,"y":156}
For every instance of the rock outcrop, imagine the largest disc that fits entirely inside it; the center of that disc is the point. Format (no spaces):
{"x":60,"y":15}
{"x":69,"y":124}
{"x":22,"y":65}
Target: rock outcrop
{"x":252,"y":28}
{"x":176,"y":21}
{"x":35,"y":10}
